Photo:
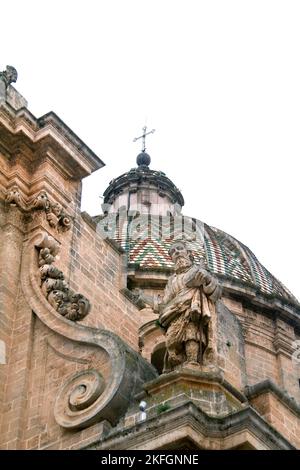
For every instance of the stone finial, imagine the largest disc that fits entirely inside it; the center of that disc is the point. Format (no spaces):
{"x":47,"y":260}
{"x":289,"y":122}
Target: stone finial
{"x":8,"y":76}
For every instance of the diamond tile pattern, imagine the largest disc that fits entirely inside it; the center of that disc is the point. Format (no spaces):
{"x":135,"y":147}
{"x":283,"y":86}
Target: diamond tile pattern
{"x":221,"y":253}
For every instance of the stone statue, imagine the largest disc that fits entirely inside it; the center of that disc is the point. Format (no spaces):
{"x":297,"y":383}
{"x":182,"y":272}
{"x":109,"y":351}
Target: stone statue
{"x":8,"y":76}
{"x":184,"y":310}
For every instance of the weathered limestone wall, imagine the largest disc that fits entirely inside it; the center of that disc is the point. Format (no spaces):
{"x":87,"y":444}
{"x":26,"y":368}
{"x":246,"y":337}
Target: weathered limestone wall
{"x":231,"y":347}
{"x":14,"y":327}
{"x":261,"y":364}
{"x":280,"y":416}
{"x":97,"y":270}
{"x":39,"y":360}
{"x":269,"y":347}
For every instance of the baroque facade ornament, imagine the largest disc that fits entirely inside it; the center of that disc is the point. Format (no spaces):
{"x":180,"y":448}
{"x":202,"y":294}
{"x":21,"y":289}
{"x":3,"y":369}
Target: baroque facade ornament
{"x":111,"y":372}
{"x":66,"y":302}
{"x":78,"y":393}
{"x":185,"y":309}
{"x":55,"y":214}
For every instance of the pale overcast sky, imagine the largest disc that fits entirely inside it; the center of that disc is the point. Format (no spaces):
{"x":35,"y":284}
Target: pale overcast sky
{"x":218,"y":80}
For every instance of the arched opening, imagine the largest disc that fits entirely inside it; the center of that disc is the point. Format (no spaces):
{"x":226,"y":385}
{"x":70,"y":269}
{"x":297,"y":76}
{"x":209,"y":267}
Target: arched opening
{"x":157,"y":357}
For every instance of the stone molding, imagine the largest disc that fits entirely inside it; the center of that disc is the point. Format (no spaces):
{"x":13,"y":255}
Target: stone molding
{"x":157,"y":277}
{"x":268,"y":386}
{"x":206,"y":388}
{"x":204,"y":376}
{"x":187,"y":419}
{"x":140,"y":178}
{"x":47,"y":135}
{"x":281,"y":307}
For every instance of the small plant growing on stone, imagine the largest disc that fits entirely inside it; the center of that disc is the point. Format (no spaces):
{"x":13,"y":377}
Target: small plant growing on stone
{"x":157,"y":323}
{"x":163,"y":407}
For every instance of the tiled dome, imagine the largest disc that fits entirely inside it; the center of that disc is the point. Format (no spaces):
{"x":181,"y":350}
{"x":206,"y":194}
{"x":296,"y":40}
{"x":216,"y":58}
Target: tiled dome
{"x":223,"y":255}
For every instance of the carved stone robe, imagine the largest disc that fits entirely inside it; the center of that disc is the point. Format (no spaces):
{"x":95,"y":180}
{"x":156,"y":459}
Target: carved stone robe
{"x":181,"y":299}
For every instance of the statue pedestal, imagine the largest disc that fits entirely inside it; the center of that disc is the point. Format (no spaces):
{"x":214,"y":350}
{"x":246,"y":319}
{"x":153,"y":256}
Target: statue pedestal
{"x":192,"y":408}
{"x":204,"y":386}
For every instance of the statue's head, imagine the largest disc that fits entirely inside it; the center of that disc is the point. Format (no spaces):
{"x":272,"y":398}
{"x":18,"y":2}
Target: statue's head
{"x":11,"y":73}
{"x":181,"y":255}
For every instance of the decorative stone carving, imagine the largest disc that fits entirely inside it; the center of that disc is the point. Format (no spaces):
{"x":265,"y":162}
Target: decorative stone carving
{"x":185,"y":308}
{"x":8,"y":76}
{"x":14,"y":198}
{"x":78,"y":393}
{"x":40,"y":202}
{"x":55,"y":214}
{"x":113,"y":374}
{"x":56,"y":290}
{"x":57,"y":218}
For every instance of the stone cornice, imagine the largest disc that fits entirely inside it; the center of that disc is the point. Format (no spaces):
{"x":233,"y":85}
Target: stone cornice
{"x":187,"y":414}
{"x":50,"y":132}
{"x":268,"y":386}
{"x":138,"y":178}
{"x":278,"y":305}
{"x":148,"y":328}
{"x":209,"y":377}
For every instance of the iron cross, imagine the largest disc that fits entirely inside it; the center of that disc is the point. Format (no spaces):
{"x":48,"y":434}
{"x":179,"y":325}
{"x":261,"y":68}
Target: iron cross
{"x":143,"y":136}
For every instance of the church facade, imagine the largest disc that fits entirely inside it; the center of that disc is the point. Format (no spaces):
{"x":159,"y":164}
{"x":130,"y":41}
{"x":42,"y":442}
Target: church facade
{"x":139,"y":328}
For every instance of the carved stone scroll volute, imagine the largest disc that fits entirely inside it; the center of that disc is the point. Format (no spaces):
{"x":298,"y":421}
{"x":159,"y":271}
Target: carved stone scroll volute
{"x":85,"y":397}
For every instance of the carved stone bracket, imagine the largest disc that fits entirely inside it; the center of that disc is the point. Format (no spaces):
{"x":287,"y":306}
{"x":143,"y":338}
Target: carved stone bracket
{"x":55,"y":214}
{"x":54,"y":287}
{"x":85,"y":397}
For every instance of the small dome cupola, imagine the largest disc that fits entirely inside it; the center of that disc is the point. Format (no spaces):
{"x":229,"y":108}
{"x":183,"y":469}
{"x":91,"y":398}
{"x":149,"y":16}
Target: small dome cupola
{"x":143,"y":189}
